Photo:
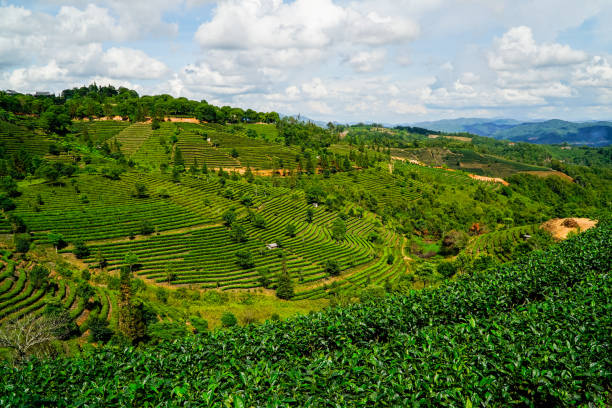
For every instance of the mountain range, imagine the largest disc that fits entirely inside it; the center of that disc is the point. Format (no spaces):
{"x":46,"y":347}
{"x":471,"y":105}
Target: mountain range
{"x":555,"y":131}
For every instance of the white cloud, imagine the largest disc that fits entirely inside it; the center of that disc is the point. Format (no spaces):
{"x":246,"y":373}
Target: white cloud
{"x":245,"y":24}
{"x":367,"y":61}
{"x":518,"y":50}
{"x":404,"y":108}
{"x":596,"y":73}
{"x":22,"y":78}
{"x":131,"y":63}
{"x":315,"y":89}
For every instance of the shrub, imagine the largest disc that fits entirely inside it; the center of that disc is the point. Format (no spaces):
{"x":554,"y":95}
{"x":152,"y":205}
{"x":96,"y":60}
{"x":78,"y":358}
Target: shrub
{"x":200,"y":325}
{"x":446,"y":269}
{"x":228,"y":319}
{"x":100,"y":332}
{"x":166,"y":331}
{"x":390,"y":259}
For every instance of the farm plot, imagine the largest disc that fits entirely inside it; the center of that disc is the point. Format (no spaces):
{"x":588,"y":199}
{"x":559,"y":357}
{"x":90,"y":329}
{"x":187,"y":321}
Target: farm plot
{"x":20,"y":296}
{"x":14,"y":137}
{"x":499,"y":243}
{"x":99,"y":131}
{"x":131,"y":138}
{"x":99,"y":208}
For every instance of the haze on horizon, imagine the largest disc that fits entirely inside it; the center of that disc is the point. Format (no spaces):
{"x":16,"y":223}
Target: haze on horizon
{"x":390,"y":61}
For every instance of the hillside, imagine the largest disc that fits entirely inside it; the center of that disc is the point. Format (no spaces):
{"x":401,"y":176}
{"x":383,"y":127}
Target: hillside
{"x":528,"y":332}
{"x":199,"y":223}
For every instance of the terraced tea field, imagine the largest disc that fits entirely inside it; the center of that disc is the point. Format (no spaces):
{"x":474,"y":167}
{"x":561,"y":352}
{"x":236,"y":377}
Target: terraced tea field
{"x":19,"y":296}
{"x":496,"y":243}
{"x":14,"y":137}
{"x":99,"y":131}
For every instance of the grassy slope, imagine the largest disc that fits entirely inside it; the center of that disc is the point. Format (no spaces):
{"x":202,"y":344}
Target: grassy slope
{"x":534,"y":333}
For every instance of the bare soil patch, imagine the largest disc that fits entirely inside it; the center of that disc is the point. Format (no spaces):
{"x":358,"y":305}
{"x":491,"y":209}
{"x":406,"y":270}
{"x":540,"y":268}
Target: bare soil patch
{"x":561,"y":227}
{"x":549,"y":173}
{"x":489,"y":179}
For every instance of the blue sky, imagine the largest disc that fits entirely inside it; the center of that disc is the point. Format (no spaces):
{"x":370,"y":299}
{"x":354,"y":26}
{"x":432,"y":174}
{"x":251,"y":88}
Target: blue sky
{"x":391,"y":61}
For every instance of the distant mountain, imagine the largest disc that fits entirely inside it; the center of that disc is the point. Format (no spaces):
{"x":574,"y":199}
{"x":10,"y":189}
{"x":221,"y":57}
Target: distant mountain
{"x":544,"y":132}
{"x":558,"y":131}
{"x":481,"y":127}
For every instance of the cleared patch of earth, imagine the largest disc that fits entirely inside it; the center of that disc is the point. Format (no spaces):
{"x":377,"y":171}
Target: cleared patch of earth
{"x":559,"y":228}
{"x":549,"y":173}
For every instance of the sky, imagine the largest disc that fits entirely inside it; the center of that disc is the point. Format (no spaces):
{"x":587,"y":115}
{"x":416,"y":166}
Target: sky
{"x":388,"y":61}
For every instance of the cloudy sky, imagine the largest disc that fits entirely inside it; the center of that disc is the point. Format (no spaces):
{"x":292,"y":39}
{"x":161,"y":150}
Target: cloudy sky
{"x":392,"y":61}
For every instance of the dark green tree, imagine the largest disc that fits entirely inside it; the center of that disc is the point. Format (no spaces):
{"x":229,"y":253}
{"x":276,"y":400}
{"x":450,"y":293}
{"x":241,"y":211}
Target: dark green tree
{"x":81,"y":250}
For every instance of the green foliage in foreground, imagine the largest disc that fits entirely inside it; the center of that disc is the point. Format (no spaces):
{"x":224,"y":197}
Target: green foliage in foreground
{"x":532,"y":333}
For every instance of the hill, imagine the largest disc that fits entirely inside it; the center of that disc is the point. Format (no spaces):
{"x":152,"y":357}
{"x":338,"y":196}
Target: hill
{"x":481,"y":127}
{"x":542,"y":132}
{"x":535,"y":332}
{"x":156,"y":219}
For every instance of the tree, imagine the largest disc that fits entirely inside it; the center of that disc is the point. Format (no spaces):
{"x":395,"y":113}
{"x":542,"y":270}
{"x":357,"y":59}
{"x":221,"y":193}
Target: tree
{"x":17,"y":224}
{"x":290,"y":229}
{"x":264,"y":279}
{"x":170,"y":274}
{"x":446,"y":269}
{"x":194,"y":169}
{"x":204,"y":168}
{"x":131,"y":321}
{"x":315,"y":194}
{"x":81,"y":250}
{"x":454,"y":241}
{"x":85,"y":291}
{"x":178,"y":157}
{"x":57,"y":240}
{"x":100,"y":332}
{"x":309,"y":215}
{"x":238,"y":233}
{"x":332,"y":267}
{"x":338,"y":229}
{"x":246,"y":200}
{"x":234,"y":152}
{"x":22,"y":243}
{"x":176,"y":174}
{"x":31,"y":335}
{"x":244,"y":258}
{"x":39,"y":276}
{"x":140,"y":191}
{"x":390,"y":259}
{"x":146,"y":228}
{"x":101,"y":260}
{"x":284,"y":288}
{"x":6,"y":204}
{"x":9,"y":186}
{"x":229,"y":217}
{"x":259,"y":221}
{"x":131,"y":260}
